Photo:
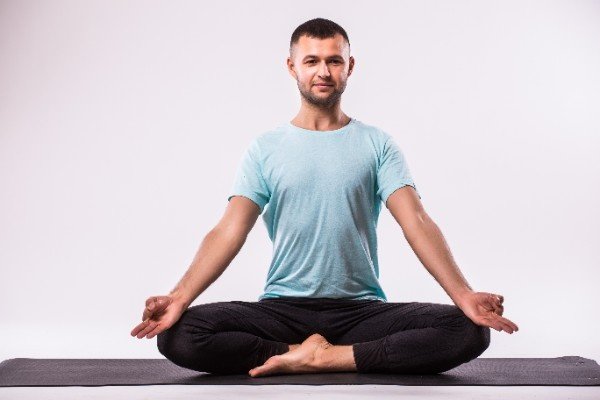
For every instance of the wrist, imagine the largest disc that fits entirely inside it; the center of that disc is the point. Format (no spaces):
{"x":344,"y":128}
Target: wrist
{"x":459,"y":296}
{"x":179,"y":300}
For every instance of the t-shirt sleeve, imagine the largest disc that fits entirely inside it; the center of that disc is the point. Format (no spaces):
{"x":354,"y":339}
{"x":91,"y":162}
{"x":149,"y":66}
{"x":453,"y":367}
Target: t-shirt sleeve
{"x":249,"y":181}
{"x":392,"y":171}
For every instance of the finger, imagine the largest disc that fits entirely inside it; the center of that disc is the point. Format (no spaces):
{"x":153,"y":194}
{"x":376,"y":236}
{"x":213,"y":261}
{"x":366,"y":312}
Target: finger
{"x":495,"y":298}
{"x":507,"y":325}
{"x":487,"y":321}
{"x":147,"y":329}
{"x":148,"y":314}
{"x":507,"y":328}
{"x":148,"y":310}
{"x":494,"y":307}
{"x":496,"y":302}
{"x":155,"y":301}
{"x":499,"y":310}
{"x":499,"y":323}
{"x":150,"y":300}
{"x":158,"y":329}
{"x":140,"y":327}
{"x":136,"y":330}
{"x":153,"y":306}
{"x":493,"y":323}
{"x":156,"y":305}
{"x":512,"y":324}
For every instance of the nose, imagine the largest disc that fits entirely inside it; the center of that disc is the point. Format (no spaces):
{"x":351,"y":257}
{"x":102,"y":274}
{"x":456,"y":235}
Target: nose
{"x":323,"y":70}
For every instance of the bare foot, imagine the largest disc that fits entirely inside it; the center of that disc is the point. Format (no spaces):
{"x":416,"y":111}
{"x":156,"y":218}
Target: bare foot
{"x":302,"y":358}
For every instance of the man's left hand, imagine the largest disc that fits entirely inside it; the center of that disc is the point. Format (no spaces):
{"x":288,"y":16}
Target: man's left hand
{"x":486,"y":309}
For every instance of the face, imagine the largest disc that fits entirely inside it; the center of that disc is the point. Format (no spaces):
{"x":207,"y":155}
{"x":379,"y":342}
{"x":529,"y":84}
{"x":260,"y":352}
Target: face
{"x":321,"y":61}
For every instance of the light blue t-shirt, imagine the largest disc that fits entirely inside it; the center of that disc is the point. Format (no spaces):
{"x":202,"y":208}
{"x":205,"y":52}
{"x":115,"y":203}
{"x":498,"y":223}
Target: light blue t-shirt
{"x":320,"y":194}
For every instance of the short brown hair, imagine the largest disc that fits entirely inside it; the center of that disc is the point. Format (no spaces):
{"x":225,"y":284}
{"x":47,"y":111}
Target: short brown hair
{"x":319,"y":28}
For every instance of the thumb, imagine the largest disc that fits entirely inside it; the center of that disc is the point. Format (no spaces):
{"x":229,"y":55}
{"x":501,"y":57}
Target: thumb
{"x":161,"y":302}
{"x":155,"y":302}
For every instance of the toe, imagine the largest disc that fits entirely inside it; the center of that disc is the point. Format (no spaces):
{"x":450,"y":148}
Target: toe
{"x":268,"y":367}
{"x":260,"y":371}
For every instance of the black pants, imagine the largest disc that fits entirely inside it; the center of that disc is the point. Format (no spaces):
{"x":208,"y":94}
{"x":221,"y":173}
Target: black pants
{"x":408,"y":338}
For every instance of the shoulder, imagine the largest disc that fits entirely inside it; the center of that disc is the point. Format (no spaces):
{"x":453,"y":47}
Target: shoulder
{"x":265,"y":142}
{"x":269,"y":137}
{"x":373,"y":134}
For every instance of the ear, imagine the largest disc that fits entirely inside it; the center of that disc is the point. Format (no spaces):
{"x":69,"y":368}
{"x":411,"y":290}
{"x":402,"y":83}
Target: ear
{"x":351,"y":65}
{"x":290,"y":67}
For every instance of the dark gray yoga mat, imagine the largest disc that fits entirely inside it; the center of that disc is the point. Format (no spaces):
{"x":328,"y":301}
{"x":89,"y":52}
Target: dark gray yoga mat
{"x":559,"y":371}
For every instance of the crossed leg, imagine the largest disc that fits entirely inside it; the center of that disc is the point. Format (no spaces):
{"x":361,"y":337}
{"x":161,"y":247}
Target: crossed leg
{"x":259,"y":339}
{"x":409,"y":338}
{"x":314,"y":354}
{"x":231,"y":337}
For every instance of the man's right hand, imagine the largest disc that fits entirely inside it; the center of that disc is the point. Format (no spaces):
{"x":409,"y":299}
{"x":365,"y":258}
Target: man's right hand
{"x":160,"y":314}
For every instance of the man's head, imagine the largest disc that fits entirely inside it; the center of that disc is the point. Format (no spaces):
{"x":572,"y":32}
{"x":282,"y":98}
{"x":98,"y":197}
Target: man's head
{"x":320,"y":53}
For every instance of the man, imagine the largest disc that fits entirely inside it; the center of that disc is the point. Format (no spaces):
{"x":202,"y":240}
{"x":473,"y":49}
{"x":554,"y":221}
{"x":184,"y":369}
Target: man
{"x":323,"y":176}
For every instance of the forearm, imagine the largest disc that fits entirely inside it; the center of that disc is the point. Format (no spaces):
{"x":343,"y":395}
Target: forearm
{"x":217,"y":250}
{"x":431,"y":248}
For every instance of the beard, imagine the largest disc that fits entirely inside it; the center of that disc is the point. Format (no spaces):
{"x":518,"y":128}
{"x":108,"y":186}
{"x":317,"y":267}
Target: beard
{"x":322,"y":101}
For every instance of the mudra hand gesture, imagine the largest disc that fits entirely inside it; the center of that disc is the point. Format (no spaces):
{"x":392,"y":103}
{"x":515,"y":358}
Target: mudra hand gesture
{"x":160,"y":314}
{"x":486,"y":309}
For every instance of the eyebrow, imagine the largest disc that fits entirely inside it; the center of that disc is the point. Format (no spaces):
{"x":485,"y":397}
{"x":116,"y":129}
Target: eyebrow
{"x":330,"y":57}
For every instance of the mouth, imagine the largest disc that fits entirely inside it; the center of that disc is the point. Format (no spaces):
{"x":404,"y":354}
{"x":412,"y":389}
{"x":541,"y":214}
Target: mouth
{"x":321,"y":85}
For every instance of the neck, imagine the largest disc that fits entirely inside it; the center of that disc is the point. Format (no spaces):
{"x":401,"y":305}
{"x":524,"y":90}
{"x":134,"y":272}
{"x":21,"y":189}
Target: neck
{"x":316,"y":119}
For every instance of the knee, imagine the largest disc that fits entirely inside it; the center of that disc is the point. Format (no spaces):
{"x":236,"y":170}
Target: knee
{"x":480,"y":339}
{"x":170,"y":343}
{"x":188,"y":344}
{"x":163,"y":343}
{"x":476,"y":339}
{"x":178,"y":346}
{"x":471,"y":339}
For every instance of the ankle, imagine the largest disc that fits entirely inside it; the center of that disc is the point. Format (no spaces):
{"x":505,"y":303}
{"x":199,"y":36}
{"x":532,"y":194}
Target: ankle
{"x":324,"y":355}
{"x":293,"y":346}
{"x":335,"y":358}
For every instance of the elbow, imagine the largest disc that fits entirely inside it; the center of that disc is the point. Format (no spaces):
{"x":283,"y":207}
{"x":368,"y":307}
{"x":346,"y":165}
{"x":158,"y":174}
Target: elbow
{"x":229,"y":233}
{"x":421,"y":217}
{"x":415,"y":223}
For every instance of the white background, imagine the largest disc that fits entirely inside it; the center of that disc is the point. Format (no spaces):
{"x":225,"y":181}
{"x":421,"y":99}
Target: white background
{"x":122,"y":124}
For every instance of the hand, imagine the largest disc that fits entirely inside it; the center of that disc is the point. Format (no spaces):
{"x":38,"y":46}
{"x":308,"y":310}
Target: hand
{"x":485,"y":309}
{"x":160,"y":314}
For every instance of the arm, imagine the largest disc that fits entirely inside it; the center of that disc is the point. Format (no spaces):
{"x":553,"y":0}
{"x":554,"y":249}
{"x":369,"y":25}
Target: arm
{"x":428,"y":243}
{"x":218,"y":248}
{"x":216,"y":251}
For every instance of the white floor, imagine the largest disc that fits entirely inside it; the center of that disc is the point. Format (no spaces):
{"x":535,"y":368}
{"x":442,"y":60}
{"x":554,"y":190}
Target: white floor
{"x":290,"y":392}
